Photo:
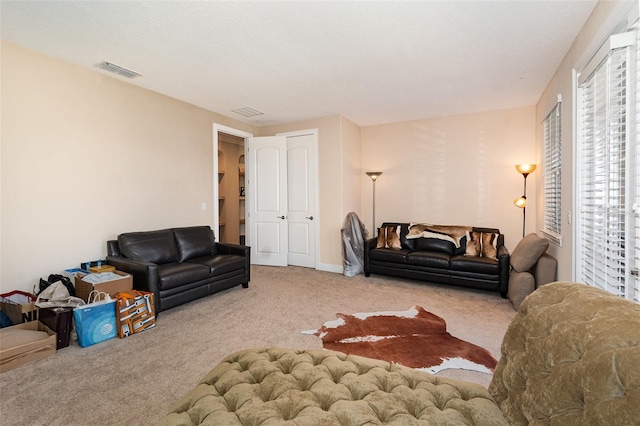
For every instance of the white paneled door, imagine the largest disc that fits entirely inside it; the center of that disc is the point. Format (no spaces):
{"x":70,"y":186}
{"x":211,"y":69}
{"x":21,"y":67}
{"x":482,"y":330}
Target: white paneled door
{"x":301,"y":200}
{"x":281,"y":199}
{"x":267,"y":199}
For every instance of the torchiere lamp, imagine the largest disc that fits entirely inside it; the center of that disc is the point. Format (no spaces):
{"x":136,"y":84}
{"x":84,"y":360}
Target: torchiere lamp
{"x":374,"y":176}
{"x":521,"y":202}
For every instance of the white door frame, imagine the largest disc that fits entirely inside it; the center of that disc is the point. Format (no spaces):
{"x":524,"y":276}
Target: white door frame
{"x":216,"y":205}
{"x":242,"y":134}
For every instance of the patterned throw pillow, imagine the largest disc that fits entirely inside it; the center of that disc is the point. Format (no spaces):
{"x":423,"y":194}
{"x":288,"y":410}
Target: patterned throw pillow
{"x":482,"y":244}
{"x":382,"y":237}
{"x":474,"y":244}
{"x":389,"y":237}
{"x":393,"y":237}
{"x":489,"y":245}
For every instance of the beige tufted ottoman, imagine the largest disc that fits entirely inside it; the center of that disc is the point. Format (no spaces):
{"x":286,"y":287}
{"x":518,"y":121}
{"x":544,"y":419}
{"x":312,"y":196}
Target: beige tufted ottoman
{"x":319,"y":387}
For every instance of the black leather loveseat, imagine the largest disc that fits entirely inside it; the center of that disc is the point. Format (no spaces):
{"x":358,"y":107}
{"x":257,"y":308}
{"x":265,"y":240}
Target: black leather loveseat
{"x":179,"y":265}
{"x":438,"y":261}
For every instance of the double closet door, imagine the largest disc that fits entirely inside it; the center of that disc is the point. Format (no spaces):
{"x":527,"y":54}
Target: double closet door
{"x":281,"y":199}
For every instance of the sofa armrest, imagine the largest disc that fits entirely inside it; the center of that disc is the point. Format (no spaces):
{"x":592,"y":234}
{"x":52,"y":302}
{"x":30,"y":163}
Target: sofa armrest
{"x":145,"y":275}
{"x":240,"y":250}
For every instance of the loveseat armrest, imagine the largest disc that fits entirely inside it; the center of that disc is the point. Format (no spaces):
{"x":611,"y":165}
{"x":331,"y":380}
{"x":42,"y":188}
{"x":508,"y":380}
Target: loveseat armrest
{"x":227,"y":248}
{"x":240,"y":250}
{"x":369,"y":245}
{"x":145,"y":275}
{"x":503,"y":267}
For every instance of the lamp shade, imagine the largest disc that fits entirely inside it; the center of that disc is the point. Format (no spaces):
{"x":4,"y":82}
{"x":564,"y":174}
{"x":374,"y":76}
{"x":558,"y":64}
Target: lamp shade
{"x":373,"y":175}
{"x":520,"y":202}
{"x":525,"y":169}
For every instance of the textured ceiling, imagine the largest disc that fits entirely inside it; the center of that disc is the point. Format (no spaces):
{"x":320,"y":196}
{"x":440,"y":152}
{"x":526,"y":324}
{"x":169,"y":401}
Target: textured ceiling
{"x":373,"y":62}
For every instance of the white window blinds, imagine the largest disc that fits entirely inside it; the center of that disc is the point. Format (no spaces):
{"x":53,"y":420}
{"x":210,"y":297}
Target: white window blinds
{"x":635,"y":263}
{"x":552,"y":166}
{"x":607,"y":179}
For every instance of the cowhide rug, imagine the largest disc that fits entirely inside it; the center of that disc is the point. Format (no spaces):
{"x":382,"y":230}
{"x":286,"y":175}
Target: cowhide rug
{"x":414,"y":338}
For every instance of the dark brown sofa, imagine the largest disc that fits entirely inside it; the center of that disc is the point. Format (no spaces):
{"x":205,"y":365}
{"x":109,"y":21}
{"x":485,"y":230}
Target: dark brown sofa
{"x":437,"y":261}
{"x":179,"y":265}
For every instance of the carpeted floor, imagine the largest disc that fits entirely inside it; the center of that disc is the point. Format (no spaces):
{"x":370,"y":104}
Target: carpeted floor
{"x":135,"y":380}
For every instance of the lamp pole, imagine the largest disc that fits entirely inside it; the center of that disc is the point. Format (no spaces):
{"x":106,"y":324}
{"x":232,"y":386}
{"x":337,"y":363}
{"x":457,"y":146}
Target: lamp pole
{"x":521,"y":202}
{"x":524,"y":209}
{"x":374,"y":176}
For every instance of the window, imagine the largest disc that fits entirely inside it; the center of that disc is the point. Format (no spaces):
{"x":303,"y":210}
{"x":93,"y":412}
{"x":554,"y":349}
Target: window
{"x":552,"y":165}
{"x":606,"y":238}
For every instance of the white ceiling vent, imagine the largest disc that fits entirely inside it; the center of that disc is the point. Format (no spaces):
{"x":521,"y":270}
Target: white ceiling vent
{"x":247,"y":112}
{"x":108,"y":66}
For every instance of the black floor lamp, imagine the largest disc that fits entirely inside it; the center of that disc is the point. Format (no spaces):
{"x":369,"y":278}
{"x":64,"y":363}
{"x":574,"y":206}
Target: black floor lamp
{"x":374,"y":176}
{"x":521,"y":202}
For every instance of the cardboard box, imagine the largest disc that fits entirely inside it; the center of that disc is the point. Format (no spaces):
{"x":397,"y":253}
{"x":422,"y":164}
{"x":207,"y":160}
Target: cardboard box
{"x":102,"y":268}
{"x":83,"y":288}
{"x":16,"y":356}
{"x":19,"y":306}
{"x":71,"y":273}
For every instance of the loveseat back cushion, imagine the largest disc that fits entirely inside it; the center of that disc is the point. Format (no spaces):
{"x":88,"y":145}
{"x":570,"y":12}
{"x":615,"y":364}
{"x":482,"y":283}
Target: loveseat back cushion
{"x":527,"y":252}
{"x":173,"y":275}
{"x":149,"y":246}
{"x":570,"y":357}
{"x":195,"y":241}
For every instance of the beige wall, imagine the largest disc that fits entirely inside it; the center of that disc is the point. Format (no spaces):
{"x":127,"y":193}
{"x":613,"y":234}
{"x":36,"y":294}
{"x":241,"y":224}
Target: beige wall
{"x":351,"y":169}
{"x":594,"y":32}
{"x":451,"y":170}
{"x":85,"y":157}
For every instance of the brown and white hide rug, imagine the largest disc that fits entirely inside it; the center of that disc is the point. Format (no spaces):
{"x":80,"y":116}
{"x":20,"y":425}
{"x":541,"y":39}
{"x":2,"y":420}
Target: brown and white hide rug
{"x":414,"y":338}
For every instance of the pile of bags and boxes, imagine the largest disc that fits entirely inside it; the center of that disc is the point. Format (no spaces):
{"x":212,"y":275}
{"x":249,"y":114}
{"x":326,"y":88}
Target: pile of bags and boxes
{"x":95,"y":300}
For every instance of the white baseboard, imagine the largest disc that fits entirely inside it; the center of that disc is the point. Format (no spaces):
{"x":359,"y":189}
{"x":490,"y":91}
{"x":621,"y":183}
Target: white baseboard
{"x":327,"y":267}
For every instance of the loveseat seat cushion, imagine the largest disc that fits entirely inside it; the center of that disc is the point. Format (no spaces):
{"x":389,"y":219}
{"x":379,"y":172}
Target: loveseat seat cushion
{"x":149,"y":246}
{"x":221,"y":263}
{"x":475,"y":264}
{"x":194,"y":241}
{"x":429,"y":259}
{"x":173,"y":275}
{"x":389,"y":255}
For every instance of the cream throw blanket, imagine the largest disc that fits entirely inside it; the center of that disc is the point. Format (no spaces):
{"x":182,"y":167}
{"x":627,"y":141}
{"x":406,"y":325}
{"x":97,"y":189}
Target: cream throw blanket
{"x":452,"y":233}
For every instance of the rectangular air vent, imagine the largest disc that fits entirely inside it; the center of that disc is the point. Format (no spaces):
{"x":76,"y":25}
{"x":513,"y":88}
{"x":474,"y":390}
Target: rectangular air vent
{"x":247,"y":112}
{"x":108,"y":66}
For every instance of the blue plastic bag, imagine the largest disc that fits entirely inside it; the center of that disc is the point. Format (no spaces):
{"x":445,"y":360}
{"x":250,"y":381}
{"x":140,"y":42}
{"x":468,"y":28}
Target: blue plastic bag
{"x":95,"y":322}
